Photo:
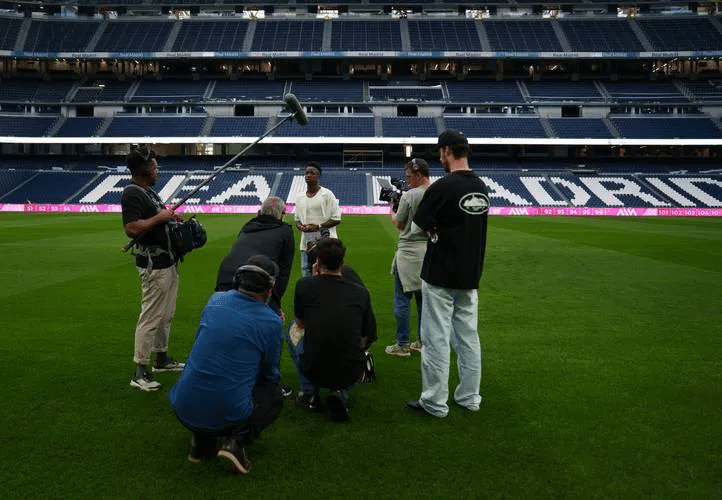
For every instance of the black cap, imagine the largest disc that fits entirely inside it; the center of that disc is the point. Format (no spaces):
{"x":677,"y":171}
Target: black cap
{"x":452,"y":138}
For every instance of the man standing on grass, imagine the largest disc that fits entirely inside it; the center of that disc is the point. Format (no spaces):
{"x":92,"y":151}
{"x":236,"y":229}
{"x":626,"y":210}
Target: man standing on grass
{"x":406,"y":266}
{"x":453,"y":212}
{"x":317,"y":213}
{"x":145,"y":218}
{"x":230,"y":387}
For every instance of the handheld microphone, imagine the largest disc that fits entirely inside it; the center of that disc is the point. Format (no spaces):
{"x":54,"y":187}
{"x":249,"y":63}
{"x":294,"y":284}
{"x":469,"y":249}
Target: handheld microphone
{"x":295,"y":106}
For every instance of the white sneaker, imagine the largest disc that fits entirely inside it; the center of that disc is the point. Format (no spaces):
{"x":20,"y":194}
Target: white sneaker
{"x":415,"y":345}
{"x":397,"y":350}
{"x":145,"y":382}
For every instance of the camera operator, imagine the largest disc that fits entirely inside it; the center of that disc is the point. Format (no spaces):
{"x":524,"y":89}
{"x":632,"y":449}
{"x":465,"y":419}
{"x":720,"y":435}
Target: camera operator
{"x":146,"y":218}
{"x":406,"y":266}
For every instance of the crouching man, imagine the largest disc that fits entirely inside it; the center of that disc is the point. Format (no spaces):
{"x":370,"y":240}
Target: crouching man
{"x":230,"y":386}
{"x":338,"y":323}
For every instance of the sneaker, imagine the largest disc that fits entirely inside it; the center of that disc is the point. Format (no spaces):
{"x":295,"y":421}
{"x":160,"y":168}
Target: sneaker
{"x":338,"y":409}
{"x":144,"y":382}
{"x":202,"y":448}
{"x":397,"y":350}
{"x":415,"y":345}
{"x":170,"y":365}
{"x":233,"y":457}
{"x":286,"y":391}
{"x":307,"y":402}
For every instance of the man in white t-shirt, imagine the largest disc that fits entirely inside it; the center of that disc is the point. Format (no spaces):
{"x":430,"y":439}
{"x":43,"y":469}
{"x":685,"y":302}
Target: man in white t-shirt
{"x":317,"y":213}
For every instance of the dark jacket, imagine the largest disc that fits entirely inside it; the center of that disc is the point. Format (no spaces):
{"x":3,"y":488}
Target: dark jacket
{"x":265,"y":235}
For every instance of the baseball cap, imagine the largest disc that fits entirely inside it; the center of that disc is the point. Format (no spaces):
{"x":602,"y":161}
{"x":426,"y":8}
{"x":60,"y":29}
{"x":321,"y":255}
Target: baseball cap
{"x":452,"y":138}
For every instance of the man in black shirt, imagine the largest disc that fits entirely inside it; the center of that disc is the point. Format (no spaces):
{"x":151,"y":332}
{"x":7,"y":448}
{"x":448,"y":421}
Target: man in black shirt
{"x":266,"y":235}
{"x":145,"y":219}
{"x":339,"y":325}
{"x":453,"y":212}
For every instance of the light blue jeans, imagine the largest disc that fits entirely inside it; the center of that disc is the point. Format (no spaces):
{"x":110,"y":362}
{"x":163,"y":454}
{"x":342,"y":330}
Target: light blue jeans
{"x":305,"y":269}
{"x":449,"y":319}
{"x":402,"y":311}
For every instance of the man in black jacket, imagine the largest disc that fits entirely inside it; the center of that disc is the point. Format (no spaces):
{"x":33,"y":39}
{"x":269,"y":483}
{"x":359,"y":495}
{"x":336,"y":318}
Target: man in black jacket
{"x":267,"y":235}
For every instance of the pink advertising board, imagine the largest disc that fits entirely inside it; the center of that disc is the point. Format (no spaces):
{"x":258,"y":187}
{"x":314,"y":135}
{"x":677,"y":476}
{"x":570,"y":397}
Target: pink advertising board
{"x":251,"y":209}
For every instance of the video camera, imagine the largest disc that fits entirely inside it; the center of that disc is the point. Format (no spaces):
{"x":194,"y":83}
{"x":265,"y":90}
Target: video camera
{"x":392,"y":191}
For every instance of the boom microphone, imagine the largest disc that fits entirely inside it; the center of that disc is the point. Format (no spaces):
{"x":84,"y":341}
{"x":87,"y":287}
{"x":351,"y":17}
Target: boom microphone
{"x":297,"y":113}
{"x":295,"y":106}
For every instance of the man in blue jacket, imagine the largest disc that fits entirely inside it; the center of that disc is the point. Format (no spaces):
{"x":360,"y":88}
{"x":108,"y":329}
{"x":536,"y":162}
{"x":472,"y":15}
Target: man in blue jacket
{"x":230,"y":387}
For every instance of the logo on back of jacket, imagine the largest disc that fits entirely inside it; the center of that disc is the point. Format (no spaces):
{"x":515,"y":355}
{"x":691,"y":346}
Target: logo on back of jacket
{"x":474,"y":203}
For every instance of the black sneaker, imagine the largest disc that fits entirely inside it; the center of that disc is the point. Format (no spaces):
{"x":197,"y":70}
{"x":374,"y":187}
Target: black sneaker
{"x":203,"y":447}
{"x":286,"y":391}
{"x":233,"y":457}
{"x":308,"y":402}
{"x":338,"y":409}
{"x":169,"y":365}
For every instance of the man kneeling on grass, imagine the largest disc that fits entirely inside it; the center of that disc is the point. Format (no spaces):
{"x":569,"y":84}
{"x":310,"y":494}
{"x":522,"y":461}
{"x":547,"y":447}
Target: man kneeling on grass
{"x":230,"y":387}
{"x":339,"y":325}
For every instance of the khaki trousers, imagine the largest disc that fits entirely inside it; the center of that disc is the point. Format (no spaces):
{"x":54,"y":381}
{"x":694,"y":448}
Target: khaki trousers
{"x":159,"y":290}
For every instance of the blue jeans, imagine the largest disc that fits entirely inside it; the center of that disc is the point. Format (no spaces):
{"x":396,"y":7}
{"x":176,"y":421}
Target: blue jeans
{"x":402,"y":311}
{"x":449,"y":320}
{"x":296,"y":351}
{"x":305,"y":268}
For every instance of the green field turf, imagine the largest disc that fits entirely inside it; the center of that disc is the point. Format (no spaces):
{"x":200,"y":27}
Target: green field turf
{"x":602,"y":374}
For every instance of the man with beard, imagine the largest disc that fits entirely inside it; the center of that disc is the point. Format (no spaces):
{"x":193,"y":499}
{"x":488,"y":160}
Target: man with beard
{"x":145,"y":219}
{"x":453,"y":213}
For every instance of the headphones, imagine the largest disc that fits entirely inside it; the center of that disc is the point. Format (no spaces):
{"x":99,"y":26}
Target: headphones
{"x":250,"y":268}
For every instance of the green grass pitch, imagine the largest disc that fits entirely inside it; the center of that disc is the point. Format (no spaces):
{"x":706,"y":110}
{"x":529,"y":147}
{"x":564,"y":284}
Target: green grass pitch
{"x":602,"y":351}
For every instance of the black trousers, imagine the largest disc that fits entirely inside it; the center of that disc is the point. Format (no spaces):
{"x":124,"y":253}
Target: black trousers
{"x":267,"y":405}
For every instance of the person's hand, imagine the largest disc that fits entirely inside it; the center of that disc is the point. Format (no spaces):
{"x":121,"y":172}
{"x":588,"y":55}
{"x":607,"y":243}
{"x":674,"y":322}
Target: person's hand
{"x":311,"y":228}
{"x":165,"y":215}
{"x":177,"y":217}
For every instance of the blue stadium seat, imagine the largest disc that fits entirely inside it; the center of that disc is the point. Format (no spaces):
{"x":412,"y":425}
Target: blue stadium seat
{"x":363,"y":35}
{"x":282,"y":35}
{"x":210,"y":35}
{"x":600,"y":35}
{"x":444,"y":35}
{"x":56,"y":35}
{"x":134,"y":36}
{"x":522,"y":35}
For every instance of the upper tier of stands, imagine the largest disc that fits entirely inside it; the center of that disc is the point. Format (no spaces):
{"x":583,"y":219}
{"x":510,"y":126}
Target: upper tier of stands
{"x":603,"y":35}
{"x":320,"y":126}
{"x":153,"y":91}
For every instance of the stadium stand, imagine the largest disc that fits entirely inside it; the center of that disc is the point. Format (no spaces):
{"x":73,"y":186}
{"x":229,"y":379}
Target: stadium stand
{"x":366,"y":36}
{"x":382,"y":72}
{"x":666,"y":128}
{"x":288,"y":36}
{"x":134,"y":36}
{"x":53,"y":35}
{"x":580,"y":128}
{"x":522,"y":36}
{"x":600,"y":35}
{"x":445,"y":35}
{"x":154,"y":126}
{"x":210,"y":35}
